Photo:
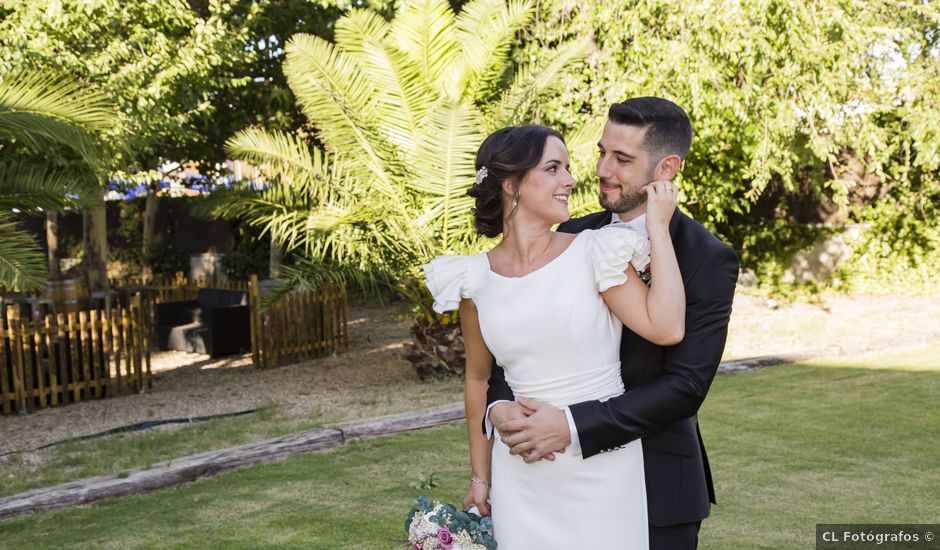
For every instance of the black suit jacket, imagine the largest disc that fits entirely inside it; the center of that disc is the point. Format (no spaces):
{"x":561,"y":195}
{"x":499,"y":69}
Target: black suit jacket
{"x":664,"y":385}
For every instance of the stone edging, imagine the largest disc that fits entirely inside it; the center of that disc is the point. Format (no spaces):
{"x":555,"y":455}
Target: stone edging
{"x":193,"y":467}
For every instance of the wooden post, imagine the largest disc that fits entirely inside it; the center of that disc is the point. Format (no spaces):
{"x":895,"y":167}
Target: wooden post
{"x":63,"y":356}
{"x":16,"y":352}
{"x":145,"y":334}
{"x":180,"y":283}
{"x":6,"y":393}
{"x":274,"y":314}
{"x":50,"y":351}
{"x":126,"y":345}
{"x":136,"y":340}
{"x":142,"y":337}
{"x":295,"y":328}
{"x":328,"y":299}
{"x":94,"y":316}
{"x":306,"y":336}
{"x":73,"y":353}
{"x":34,"y":352}
{"x":106,"y":350}
{"x":317,"y":328}
{"x":345,"y":318}
{"x":85,"y":354}
{"x":254,"y":314}
{"x":117,"y":315}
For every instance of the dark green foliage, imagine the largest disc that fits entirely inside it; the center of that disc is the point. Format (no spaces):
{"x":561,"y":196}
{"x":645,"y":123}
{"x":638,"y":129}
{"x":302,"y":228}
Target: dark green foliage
{"x":250,"y":254}
{"x":804,"y":113}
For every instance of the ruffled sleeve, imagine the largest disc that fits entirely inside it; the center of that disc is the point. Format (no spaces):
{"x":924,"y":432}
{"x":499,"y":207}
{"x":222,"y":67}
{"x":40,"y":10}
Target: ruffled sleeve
{"x":613,"y":247}
{"x":448,"y":281}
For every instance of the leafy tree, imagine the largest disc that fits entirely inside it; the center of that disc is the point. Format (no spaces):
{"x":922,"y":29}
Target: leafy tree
{"x":185,"y":74}
{"x":401,"y":107}
{"x":803,"y":112}
{"x":265,"y":100}
{"x":162,"y":63}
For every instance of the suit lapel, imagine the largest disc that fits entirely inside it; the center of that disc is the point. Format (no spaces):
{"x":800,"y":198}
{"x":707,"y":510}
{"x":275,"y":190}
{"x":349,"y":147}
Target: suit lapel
{"x":602,"y":219}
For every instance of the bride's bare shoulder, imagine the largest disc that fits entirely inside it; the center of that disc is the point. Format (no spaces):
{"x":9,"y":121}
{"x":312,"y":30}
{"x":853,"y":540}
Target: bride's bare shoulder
{"x":565,"y":238}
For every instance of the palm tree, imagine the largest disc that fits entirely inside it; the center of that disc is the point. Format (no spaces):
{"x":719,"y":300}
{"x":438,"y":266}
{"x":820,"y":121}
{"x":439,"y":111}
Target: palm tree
{"x":400,"y":108}
{"x":38,"y":114}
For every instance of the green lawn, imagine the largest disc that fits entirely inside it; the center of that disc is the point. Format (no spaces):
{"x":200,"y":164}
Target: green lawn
{"x":791,"y":446}
{"x":111,"y":454}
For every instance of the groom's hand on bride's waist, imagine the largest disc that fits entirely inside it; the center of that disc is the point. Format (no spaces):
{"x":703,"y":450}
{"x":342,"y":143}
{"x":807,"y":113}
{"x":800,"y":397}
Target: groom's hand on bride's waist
{"x":503,"y":412}
{"x":540,"y":433}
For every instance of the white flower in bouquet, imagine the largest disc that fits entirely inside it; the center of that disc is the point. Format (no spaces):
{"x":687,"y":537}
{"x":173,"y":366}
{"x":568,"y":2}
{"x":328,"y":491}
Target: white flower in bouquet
{"x":441,"y":527}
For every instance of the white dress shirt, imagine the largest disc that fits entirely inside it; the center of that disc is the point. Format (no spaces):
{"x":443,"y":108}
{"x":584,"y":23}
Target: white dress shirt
{"x":639,"y":225}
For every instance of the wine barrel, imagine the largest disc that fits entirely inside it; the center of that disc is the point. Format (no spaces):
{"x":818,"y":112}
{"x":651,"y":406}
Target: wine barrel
{"x":69,"y":295}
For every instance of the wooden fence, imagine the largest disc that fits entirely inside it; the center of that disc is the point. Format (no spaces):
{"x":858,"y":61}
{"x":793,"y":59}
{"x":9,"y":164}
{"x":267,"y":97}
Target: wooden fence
{"x":70,"y":357}
{"x":156,"y":290}
{"x":301,"y":325}
{"x":297,"y":327}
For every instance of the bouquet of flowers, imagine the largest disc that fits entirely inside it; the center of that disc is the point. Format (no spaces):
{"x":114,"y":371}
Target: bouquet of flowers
{"x":436,"y":526}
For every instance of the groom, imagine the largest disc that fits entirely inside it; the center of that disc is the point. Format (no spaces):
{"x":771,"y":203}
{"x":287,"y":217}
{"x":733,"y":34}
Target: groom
{"x":645,"y":139}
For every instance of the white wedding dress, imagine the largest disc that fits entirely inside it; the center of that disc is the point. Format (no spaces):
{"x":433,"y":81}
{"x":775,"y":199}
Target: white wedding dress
{"x":557,"y":341}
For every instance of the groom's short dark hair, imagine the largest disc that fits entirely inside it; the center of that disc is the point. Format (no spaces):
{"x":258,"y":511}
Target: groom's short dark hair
{"x":668,"y":130}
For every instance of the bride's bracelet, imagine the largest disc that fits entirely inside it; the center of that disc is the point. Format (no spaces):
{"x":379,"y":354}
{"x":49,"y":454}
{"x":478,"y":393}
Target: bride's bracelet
{"x":481,"y":481}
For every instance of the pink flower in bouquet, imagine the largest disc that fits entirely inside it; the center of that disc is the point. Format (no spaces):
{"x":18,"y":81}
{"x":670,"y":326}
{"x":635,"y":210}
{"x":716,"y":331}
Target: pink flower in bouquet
{"x":445,"y":539}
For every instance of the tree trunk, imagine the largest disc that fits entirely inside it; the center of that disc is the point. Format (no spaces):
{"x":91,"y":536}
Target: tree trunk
{"x":274,"y":261}
{"x":52,"y":244}
{"x":95,"y":237}
{"x":436,"y":348}
{"x":149,"y":222}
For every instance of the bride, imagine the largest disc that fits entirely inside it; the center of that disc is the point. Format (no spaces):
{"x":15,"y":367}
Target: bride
{"x":548,"y":308}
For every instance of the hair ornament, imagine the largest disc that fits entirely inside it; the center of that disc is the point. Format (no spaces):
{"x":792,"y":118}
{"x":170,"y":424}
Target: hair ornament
{"x":481,"y":175}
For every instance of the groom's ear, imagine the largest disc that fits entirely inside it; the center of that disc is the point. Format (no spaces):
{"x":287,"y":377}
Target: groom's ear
{"x":668,"y":167}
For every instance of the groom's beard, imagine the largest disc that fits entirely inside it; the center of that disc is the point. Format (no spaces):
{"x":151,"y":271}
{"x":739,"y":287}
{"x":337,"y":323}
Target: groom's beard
{"x":624,"y":203}
{"x":627,"y":200}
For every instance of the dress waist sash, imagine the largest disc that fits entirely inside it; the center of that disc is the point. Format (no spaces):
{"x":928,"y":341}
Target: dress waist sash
{"x":586,"y":385}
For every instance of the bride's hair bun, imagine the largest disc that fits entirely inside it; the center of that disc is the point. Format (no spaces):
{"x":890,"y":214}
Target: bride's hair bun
{"x":508,"y":153}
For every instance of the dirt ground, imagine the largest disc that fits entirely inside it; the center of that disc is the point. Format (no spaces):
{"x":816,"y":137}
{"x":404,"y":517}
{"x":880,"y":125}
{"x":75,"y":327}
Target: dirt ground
{"x":347,"y":385}
{"x":190,"y":385}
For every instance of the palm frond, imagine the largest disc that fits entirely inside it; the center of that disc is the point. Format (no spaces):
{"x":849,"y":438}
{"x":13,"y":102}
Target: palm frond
{"x":309,"y":274}
{"x":39,"y":110}
{"x":404,"y":97}
{"x":444,"y":166}
{"x":486,"y":30}
{"x":424,"y":30}
{"x":31,"y":187}
{"x":582,"y":150}
{"x":59,"y":98}
{"x":357,"y":28}
{"x":290,"y":160}
{"x":533,"y":82}
{"x":22,"y":262}
{"x":341,"y":102}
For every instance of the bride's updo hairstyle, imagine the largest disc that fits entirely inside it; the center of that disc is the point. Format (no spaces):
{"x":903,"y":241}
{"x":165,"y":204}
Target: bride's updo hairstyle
{"x":508,"y":153}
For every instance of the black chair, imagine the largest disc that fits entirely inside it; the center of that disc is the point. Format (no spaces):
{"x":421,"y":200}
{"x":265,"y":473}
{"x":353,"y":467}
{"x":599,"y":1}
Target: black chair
{"x":216,"y":323}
